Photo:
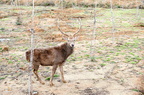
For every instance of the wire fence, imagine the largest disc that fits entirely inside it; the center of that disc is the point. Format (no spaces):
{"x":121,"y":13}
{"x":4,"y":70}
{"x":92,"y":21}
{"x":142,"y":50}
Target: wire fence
{"x":104,"y":32}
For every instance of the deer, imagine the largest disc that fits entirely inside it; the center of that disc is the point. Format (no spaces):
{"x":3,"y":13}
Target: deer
{"x":53,"y":56}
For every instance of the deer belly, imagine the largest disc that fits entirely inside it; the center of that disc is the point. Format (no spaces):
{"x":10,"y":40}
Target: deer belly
{"x":46,"y":62}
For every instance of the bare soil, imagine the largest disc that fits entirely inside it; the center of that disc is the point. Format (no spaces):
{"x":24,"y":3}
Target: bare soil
{"x":110,"y":64}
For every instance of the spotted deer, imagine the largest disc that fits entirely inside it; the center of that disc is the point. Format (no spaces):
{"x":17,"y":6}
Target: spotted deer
{"x":53,"y":56}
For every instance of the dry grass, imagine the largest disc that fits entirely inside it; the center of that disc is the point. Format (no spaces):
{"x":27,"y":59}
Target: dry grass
{"x":104,"y":3}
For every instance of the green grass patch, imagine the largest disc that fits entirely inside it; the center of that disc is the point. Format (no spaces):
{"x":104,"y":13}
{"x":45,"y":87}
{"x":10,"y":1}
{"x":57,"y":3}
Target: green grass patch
{"x":48,"y":78}
{"x":86,"y":55}
{"x":103,"y":64}
{"x":1,"y":78}
{"x":107,"y":59}
{"x":5,"y":19}
{"x":0,"y":48}
{"x":135,"y":90}
{"x":2,"y":29}
{"x":93,"y":59}
{"x":117,"y":54}
{"x":132,"y":59}
{"x":10,"y":62}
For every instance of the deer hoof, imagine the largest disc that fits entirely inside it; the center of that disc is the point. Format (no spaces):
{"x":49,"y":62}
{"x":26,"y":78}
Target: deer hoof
{"x":64,"y":81}
{"x":51,"y":84}
{"x":42,"y":83}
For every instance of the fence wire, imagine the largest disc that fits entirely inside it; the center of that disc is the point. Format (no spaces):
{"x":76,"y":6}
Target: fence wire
{"x":112,"y":62}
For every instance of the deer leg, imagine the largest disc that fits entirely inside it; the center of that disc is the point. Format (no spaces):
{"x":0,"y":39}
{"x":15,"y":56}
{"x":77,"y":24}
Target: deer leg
{"x":62,"y":73}
{"x":35,"y":70}
{"x":53,"y":72}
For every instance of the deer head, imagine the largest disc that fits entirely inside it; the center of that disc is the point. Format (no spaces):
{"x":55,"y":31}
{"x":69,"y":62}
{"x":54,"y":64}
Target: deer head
{"x":70,"y":38}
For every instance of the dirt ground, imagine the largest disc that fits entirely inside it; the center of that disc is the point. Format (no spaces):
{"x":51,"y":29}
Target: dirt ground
{"x":111,"y":63}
